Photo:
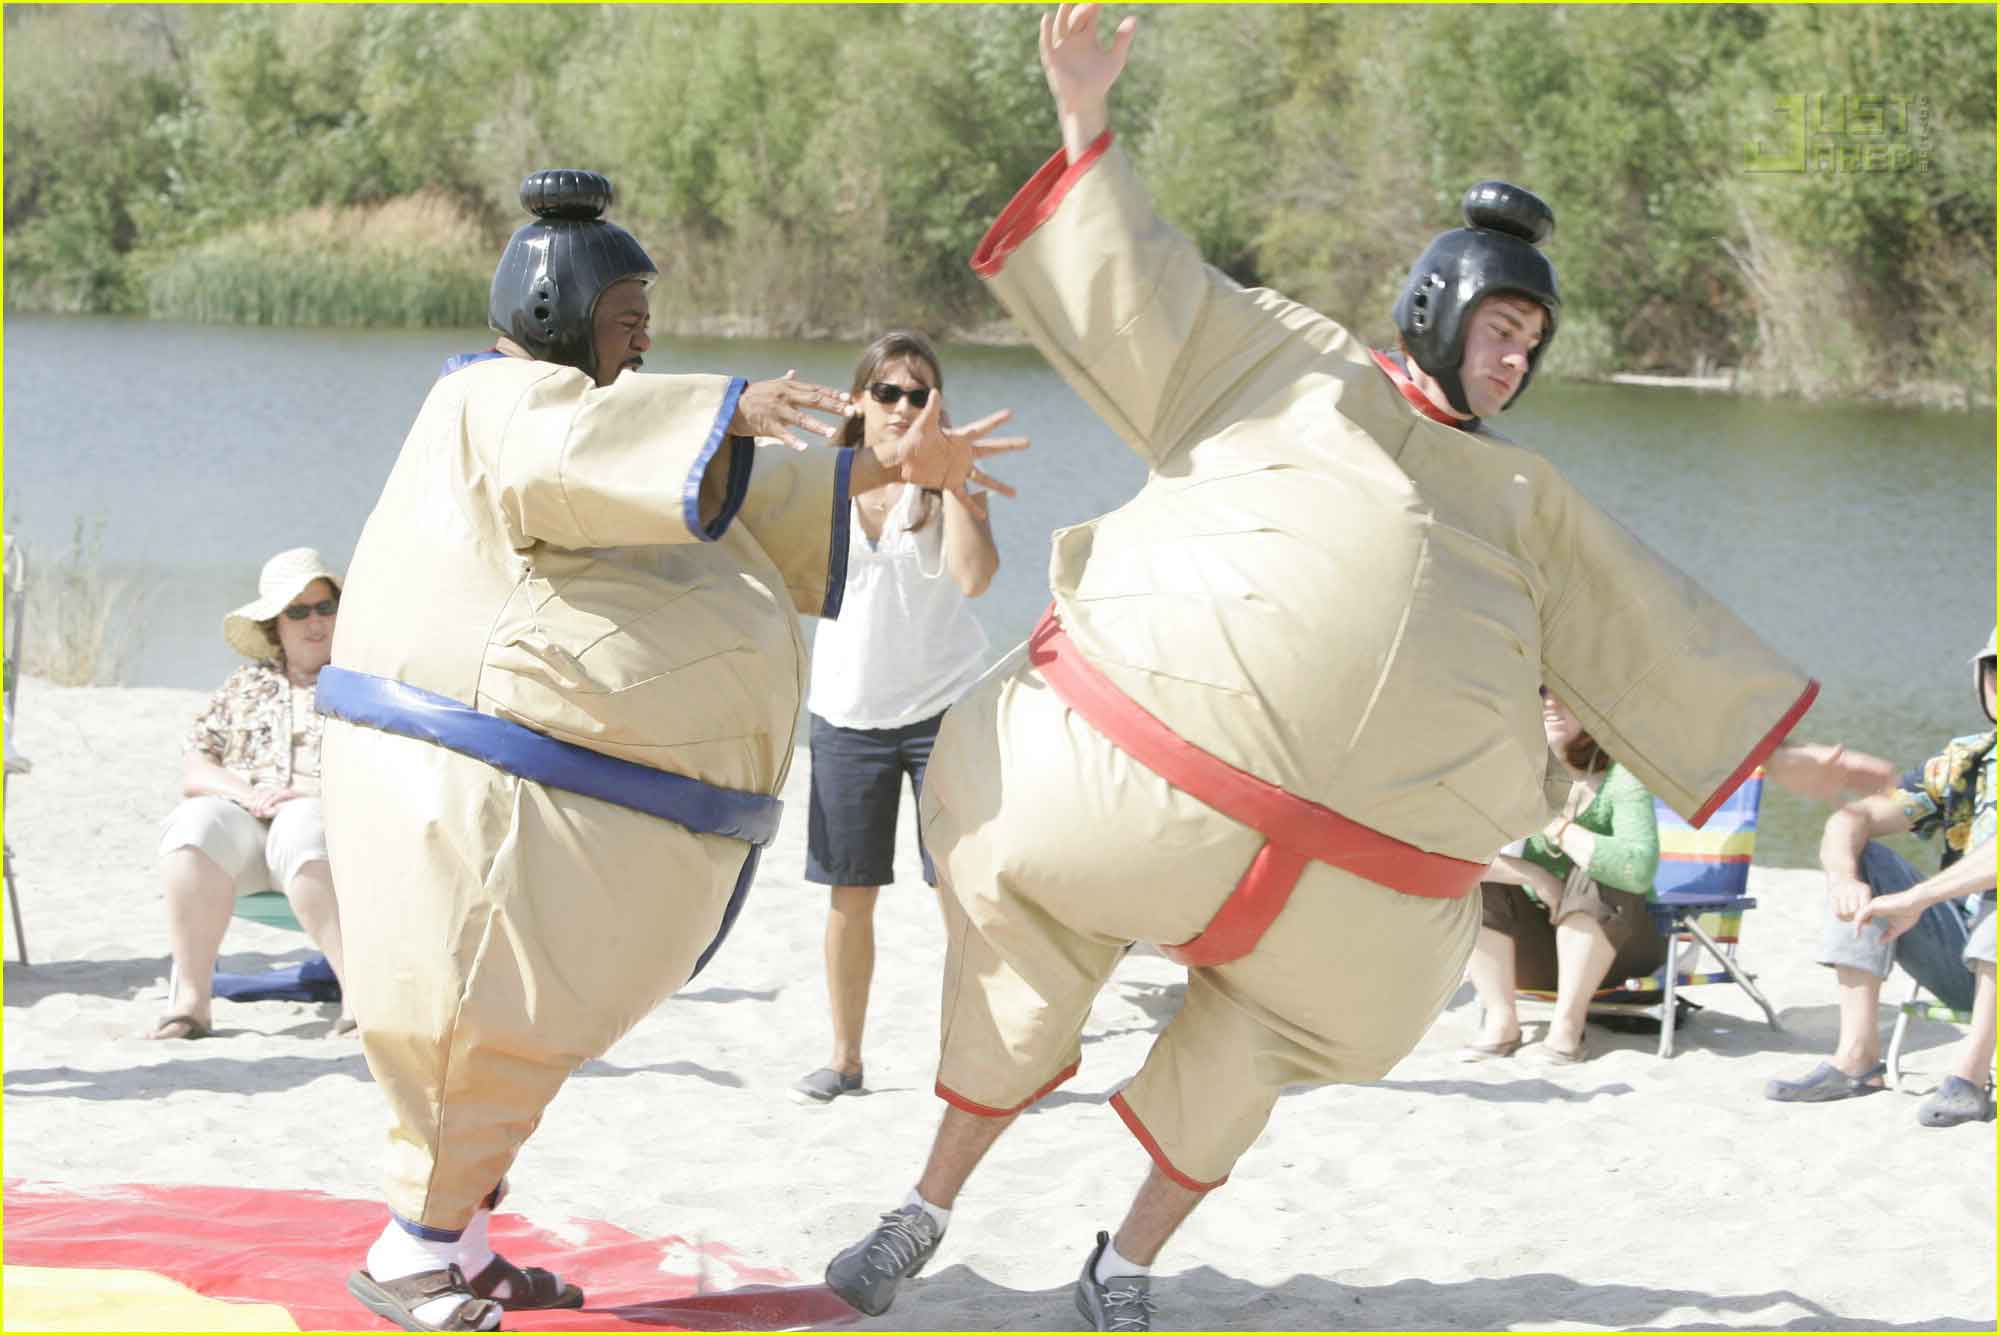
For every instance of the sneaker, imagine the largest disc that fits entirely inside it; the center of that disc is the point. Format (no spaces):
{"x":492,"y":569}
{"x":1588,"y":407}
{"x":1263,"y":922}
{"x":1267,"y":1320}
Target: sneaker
{"x":1955,"y":1101}
{"x":1124,"y":1303}
{"x":865,"y":1276}
{"x":824,"y":1086}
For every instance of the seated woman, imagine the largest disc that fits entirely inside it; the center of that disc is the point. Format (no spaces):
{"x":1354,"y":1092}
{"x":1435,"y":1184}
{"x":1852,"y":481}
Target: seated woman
{"x":903,"y":650}
{"x":1570,"y":910}
{"x":251,"y":818}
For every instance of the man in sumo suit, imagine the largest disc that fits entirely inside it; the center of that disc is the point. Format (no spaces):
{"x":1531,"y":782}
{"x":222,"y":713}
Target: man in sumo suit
{"x":563,"y":692}
{"x":1284,"y":708}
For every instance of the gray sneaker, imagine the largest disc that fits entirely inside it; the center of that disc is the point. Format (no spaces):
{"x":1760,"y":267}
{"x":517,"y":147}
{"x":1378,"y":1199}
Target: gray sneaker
{"x":1953,"y":1102}
{"x":824,"y":1086}
{"x":1123,"y":1304}
{"x":865,"y":1276}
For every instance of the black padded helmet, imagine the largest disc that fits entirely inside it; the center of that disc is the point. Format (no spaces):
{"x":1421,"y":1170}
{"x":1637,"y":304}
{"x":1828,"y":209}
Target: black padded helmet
{"x":1494,"y":252}
{"x":555,"y":268}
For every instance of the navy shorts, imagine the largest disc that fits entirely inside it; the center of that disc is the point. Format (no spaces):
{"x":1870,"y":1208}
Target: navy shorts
{"x":857,"y":787}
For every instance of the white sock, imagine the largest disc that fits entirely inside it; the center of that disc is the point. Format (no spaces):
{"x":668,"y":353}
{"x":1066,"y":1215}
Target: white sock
{"x":942,"y":1218}
{"x":399,"y":1253}
{"x":474,"y":1252}
{"x":1111,"y":1265}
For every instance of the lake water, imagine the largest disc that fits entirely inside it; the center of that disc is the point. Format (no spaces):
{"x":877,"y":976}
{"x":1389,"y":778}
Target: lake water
{"x":1859,"y":540}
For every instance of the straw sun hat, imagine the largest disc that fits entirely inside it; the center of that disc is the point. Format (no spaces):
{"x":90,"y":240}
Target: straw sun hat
{"x":283,"y":578}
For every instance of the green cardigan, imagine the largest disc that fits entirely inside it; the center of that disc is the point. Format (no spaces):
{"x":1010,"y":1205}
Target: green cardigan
{"x":1628,"y":837}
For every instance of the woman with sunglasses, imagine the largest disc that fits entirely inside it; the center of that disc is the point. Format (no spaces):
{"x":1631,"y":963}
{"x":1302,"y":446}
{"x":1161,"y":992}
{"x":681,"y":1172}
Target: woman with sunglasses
{"x":905,"y":647}
{"x":1569,"y":910}
{"x":250,"y":778}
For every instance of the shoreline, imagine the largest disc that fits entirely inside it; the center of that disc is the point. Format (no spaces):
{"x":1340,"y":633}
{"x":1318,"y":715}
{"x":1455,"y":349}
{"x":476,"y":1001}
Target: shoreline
{"x":1925,"y":395}
{"x":1503,"y":1194}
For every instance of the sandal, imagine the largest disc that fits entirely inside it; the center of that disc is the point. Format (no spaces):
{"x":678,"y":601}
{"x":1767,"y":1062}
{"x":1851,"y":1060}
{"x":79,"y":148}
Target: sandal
{"x":397,"y":1300}
{"x":1826,"y":1083}
{"x":532,"y":1289}
{"x":1479,"y":1052}
{"x":1551,"y":1055}
{"x":180,"y":1027}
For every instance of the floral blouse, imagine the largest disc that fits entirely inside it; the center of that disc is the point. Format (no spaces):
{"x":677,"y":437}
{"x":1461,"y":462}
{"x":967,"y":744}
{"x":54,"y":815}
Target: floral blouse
{"x":1953,"y":792}
{"x":1622,"y":817}
{"x":254,"y":727}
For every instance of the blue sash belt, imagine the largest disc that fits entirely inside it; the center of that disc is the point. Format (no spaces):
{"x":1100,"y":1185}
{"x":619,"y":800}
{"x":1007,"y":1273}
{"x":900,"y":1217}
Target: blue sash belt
{"x":392,"y":706}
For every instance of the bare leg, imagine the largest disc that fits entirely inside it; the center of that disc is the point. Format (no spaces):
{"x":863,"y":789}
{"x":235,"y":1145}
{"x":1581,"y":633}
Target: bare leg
{"x":1491,"y":972}
{"x":311,"y":896}
{"x":850,"y":970}
{"x":962,"y":1141}
{"x":1156,"y":1212}
{"x":1860,"y":1045}
{"x":1583,"y":956}
{"x":1974,"y":1060}
{"x":199,"y":895}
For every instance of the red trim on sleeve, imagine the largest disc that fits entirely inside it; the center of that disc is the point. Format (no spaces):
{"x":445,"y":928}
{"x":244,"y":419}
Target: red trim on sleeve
{"x":1145,"y":1137}
{"x":961,"y":1102}
{"x":1758,"y":754}
{"x":1033,"y":205}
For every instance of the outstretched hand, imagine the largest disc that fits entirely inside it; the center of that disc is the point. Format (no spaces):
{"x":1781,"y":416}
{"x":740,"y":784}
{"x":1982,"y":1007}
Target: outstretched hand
{"x":1828,"y":773}
{"x":931,"y":454}
{"x":782,"y":408}
{"x":1080,"y":70}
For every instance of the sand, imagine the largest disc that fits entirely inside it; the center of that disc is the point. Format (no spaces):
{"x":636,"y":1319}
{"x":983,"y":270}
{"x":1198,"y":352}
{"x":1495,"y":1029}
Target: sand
{"x":1625,"y":1191}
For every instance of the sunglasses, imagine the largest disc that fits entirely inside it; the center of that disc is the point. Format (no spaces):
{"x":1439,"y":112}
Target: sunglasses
{"x":887,"y":394}
{"x":326,"y":607}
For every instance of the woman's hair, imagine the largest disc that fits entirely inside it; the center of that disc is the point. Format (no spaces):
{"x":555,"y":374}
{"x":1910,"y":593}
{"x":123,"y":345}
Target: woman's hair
{"x":895,"y":346}
{"x":1586,"y":755}
{"x":269,"y":626}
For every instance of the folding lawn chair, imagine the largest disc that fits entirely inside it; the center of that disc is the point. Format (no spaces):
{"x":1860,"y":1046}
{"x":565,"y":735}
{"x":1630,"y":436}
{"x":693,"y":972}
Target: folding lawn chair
{"x":15,"y":600}
{"x":1918,"y":1006}
{"x":1698,"y":905}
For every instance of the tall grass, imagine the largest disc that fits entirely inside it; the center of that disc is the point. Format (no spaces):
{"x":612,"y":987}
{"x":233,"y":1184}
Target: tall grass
{"x":78,"y":627}
{"x":416,"y":261}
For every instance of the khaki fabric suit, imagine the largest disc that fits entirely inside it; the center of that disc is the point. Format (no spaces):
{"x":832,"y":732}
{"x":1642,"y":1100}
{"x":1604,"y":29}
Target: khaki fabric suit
{"x":1322,"y":586}
{"x":604,"y":566}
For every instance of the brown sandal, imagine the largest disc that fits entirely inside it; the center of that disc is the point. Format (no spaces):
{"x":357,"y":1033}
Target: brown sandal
{"x":397,"y":1300}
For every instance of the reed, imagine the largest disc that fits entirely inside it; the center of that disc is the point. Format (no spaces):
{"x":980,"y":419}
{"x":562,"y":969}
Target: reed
{"x":78,"y":631}
{"x":416,"y":261}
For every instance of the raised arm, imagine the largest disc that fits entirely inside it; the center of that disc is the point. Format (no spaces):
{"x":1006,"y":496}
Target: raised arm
{"x":1163,"y":347}
{"x":1080,"y":70}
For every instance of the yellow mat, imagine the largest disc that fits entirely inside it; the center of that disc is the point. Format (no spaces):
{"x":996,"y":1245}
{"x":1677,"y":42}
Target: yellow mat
{"x":40,"y":1298}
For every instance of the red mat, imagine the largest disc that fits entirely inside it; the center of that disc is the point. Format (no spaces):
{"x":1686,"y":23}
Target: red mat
{"x":294,"y":1249}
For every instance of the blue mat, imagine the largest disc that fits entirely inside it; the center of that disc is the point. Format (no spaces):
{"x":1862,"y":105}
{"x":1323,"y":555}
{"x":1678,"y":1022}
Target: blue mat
{"x":308,"y":980}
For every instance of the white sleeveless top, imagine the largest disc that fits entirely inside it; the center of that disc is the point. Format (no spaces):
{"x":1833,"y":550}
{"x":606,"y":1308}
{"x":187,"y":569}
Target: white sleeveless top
{"x":906,"y":645}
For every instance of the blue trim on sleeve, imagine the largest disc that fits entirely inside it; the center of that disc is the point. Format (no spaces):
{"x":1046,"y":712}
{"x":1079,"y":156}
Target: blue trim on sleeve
{"x":739,"y":472}
{"x":843,"y":514}
{"x":742,"y":462}
{"x":459,"y":361}
{"x":392,"y":706}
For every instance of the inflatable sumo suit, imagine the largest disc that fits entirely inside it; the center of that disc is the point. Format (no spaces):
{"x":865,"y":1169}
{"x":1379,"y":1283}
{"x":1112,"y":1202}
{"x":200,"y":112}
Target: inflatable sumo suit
{"x":1284,"y":708}
{"x":564,"y":687}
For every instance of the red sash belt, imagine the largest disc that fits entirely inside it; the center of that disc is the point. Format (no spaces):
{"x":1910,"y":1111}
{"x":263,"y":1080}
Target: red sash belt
{"x":1298,"y":831}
